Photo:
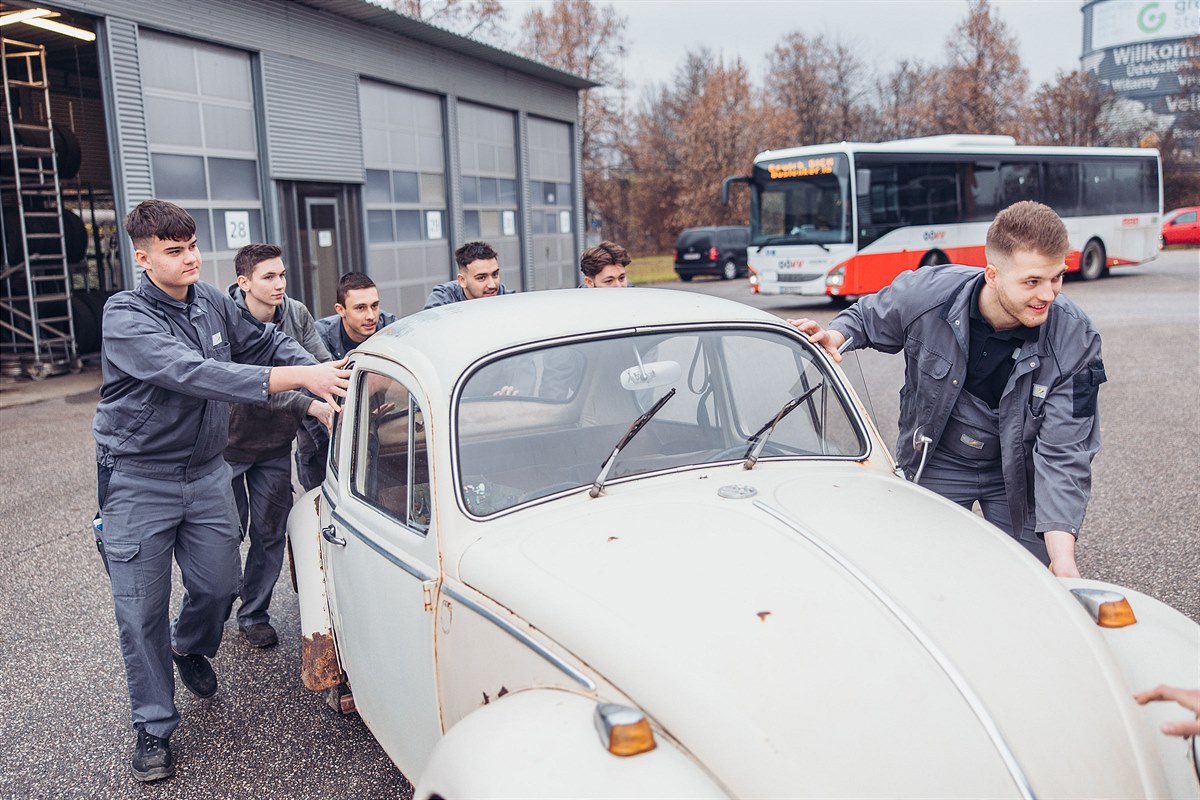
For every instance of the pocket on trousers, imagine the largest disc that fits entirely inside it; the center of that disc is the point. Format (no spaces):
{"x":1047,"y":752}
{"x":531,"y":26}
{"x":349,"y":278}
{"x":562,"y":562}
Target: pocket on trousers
{"x":123,"y":569}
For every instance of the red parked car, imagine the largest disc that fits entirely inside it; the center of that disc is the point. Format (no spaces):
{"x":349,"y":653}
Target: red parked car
{"x":1180,"y":227}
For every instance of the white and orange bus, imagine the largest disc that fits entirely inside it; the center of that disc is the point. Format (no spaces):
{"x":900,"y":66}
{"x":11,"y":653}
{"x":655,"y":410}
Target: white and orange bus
{"x":845,"y":219}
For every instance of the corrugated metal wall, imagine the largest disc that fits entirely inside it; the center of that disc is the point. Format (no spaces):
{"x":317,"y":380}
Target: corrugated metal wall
{"x":311,"y":116}
{"x":127,"y":123}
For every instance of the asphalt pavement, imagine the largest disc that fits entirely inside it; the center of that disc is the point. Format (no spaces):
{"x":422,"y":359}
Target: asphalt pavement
{"x":62,"y":688}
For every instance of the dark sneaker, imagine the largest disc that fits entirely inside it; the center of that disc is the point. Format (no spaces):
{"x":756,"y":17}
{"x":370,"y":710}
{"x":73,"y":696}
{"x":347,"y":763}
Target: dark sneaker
{"x":152,"y":759}
{"x":196,"y":673}
{"x":261,"y":634}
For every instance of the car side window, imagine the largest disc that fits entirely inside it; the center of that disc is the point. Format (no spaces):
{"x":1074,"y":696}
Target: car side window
{"x":1185,"y":219}
{"x":391,"y":460}
{"x":336,"y":444}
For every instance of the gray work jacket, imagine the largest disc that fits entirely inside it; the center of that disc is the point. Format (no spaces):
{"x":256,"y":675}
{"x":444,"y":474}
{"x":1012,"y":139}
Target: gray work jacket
{"x":260,"y":432}
{"x":1049,"y":428}
{"x":451,"y":292}
{"x":330,"y":330}
{"x":169,"y":370}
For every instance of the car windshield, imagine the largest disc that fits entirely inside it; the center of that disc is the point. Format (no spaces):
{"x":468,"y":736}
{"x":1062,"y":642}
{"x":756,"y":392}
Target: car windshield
{"x":544,"y":421}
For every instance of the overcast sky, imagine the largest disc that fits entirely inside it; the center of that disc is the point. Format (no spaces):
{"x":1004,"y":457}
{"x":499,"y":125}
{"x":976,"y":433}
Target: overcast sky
{"x":1049,"y":32}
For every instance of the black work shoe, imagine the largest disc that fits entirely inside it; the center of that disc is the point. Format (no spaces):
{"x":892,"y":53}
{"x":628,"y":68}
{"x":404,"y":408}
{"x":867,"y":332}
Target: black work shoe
{"x":152,"y":759}
{"x":261,"y":634}
{"x":196,"y":673}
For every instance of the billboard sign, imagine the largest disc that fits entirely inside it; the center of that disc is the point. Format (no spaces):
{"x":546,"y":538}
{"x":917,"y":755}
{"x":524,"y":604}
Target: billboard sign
{"x":1127,"y":22}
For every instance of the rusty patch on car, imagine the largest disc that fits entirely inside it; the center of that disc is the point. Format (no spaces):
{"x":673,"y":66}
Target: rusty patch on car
{"x":612,"y":538}
{"x":319,"y":667}
{"x":763,"y":615}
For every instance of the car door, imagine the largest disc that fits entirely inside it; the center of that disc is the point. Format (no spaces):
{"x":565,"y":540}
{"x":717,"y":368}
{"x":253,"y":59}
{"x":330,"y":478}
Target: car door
{"x":1185,"y":229}
{"x":380,"y":555}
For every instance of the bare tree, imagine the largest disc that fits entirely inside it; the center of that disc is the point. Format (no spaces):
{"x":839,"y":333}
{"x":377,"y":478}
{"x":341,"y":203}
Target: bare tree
{"x":586,"y":39}
{"x":478,"y":19}
{"x":691,"y":134}
{"x":906,"y":102}
{"x":1074,"y":109}
{"x":984,"y":83}
{"x":819,"y":89}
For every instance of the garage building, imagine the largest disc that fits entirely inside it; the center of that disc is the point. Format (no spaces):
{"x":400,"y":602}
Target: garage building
{"x":356,"y":138}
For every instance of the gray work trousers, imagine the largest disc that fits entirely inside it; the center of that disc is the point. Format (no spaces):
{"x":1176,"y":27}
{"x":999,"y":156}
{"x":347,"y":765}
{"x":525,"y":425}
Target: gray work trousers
{"x":262,"y":491}
{"x":966,"y":481}
{"x":147,"y":522}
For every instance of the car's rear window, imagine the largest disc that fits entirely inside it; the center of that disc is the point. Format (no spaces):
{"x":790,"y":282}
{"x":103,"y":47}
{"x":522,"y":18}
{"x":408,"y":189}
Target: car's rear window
{"x":698,"y":239}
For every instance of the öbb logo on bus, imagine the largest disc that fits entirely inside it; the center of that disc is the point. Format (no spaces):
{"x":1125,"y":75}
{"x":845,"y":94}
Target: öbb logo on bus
{"x":933,"y":236}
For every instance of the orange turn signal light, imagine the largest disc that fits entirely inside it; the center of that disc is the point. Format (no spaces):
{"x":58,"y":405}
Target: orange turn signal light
{"x":1116,"y":614}
{"x":624,"y":731}
{"x":1108,"y":609}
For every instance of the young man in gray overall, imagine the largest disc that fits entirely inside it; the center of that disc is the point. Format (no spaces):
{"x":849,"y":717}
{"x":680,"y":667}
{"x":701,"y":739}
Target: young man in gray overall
{"x":478,"y":276}
{"x":176,"y":352}
{"x":260,"y":438}
{"x":1002,"y":375}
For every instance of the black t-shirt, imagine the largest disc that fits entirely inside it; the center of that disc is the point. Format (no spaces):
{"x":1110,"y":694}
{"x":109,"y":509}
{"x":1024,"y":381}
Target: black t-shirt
{"x":992,"y":354}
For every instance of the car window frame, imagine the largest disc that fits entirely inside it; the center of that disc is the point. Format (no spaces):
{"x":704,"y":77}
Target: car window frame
{"x":361,"y":432}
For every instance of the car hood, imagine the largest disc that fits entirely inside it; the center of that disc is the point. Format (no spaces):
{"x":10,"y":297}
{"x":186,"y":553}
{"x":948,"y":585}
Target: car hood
{"x":841,"y":633}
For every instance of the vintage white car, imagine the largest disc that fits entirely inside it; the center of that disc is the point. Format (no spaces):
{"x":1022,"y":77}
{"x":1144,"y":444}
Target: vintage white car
{"x":647,"y":543}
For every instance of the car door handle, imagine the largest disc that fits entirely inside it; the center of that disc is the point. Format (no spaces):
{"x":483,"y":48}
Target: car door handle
{"x":329,"y":534}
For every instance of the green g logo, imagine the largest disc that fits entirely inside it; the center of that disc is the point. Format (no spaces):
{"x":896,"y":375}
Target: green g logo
{"x":1151,"y":20}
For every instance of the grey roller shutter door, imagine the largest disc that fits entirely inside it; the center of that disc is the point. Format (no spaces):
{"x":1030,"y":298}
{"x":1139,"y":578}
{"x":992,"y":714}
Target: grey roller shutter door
{"x":312,"y":121}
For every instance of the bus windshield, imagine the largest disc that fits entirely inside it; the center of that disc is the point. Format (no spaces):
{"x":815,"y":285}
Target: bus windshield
{"x":802,"y":201}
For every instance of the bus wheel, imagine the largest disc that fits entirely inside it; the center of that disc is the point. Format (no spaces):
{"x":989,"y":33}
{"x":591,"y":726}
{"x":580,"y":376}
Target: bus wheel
{"x":1091,"y":261}
{"x":842,"y":300}
{"x":933,"y":258}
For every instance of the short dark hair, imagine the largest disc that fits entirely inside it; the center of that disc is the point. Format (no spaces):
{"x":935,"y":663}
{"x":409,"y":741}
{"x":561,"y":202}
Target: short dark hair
{"x":350,"y":282}
{"x":158,"y":218}
{"x":471,"y":252}
{"x":1027,"y":226}
{"x":252,"y":255}
{"x":605,"y":254}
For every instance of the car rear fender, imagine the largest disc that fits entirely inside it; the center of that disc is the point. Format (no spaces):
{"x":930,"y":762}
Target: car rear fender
{"x":319,"y":666}
{"x":543,"y":743}
{"x":1162,"y":647}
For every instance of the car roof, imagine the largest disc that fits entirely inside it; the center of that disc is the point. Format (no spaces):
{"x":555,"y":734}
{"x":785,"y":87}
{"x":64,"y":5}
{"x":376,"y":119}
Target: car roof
{"x":439,"y":343}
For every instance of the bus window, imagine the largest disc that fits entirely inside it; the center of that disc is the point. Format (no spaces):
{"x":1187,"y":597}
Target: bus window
{"x":1062,"y":187}
{"x":1138,"y":182}
{"x":981,"y":191}
{"x":1099,"y":191}
{"x":1019,"y":181}
{"x":802,"y":202}
{"x":894,"y":195}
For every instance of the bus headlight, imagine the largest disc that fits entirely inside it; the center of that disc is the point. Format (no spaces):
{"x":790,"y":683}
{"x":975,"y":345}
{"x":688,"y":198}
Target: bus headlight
{"x":836,"y":277}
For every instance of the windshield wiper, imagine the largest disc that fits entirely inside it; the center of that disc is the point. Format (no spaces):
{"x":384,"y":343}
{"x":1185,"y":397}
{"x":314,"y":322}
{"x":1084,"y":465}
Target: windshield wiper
{"x":790,"y":238}
{"x":638,"y":424}
{"x":764,"y":433}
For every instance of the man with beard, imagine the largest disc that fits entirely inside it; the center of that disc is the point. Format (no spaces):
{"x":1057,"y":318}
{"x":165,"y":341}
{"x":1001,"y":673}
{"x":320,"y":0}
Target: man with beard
{"x":1002,"y":375}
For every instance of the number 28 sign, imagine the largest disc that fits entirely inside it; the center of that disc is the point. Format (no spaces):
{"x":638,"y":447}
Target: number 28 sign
{"x":237,"y":229}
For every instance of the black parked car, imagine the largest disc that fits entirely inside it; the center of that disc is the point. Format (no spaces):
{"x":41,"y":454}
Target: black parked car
{"x":712,"y":251}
